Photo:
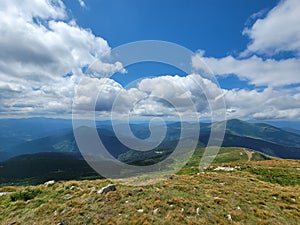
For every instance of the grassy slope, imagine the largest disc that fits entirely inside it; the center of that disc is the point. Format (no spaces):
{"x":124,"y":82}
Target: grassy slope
{"x":259,"y":192}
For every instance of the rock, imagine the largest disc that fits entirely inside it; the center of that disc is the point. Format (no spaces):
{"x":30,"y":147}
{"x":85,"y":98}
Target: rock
{"x":106,"y":189}
{"x":155,"y":211}
{"x":140,"y":210}
{"x":49,"y":183}
{"x":4,"y":193}
{"x":182,"y":210}
{"x":222,"y":168}
{"x":88,"y":220}
{"x":68,"y":196}
{"x":229,"y":217}
{"x":197,"y":211}
{"x":92,"y":189}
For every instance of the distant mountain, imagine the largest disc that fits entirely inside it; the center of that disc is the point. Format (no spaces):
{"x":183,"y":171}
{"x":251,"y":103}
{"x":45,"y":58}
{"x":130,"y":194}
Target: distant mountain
{"x":261,"y":131}
{"x":41,"y":167}
{"x":259,"y":136}
{"x":291,"y":130}
{"x":17,"y":131}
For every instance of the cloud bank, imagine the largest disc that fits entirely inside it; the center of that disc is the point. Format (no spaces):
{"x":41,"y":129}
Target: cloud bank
{"x":262,"y":65}
{"x":44,"y":53}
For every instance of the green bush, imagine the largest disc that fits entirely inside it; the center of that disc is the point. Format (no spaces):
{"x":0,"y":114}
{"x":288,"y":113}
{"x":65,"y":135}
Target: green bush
{"x":25,"y":195}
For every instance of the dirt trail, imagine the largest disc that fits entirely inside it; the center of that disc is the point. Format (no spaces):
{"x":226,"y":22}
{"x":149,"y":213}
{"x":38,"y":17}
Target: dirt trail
{"x":249,"y":154}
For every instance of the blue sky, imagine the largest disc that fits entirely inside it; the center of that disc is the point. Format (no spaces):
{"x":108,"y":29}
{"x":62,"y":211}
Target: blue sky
{"x":215,"y":26}
{"x":252,"y":46}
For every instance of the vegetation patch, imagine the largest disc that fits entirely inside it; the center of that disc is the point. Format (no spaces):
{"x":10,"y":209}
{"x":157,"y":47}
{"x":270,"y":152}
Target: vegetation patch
{"x":282,"y":176}
{"x":25,"y":195}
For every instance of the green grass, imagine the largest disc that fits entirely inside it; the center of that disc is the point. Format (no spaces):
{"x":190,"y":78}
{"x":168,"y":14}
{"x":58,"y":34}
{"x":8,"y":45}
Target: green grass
{"x":225,"y":155}
{"x":25,"y":195}
{"x":261,"y":192}
{"x":286,"y":176}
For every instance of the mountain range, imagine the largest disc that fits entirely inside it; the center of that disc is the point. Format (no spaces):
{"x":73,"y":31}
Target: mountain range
{"x":263,"y":137}
{"x":40,"y":153}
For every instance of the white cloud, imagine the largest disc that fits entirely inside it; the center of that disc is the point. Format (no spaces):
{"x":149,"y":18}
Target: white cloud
{"x":278,"y":31}
{"x":258,"y":71}
{"x":160,"y":96}
{"x":267,"y":104}
{"x":39,"y":46}
{"x":82,"y":3}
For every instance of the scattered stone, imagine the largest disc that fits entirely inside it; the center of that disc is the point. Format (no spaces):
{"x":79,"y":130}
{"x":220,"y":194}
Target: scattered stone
{"x":229,"y":217}
{"x":49,"y":183}
{"x":126,"y":202}
{"x":106,"y":189}
{"x":293,"y":200}
{"x":65,"y":210}
{"x":88,"y":220}
{"x":241,"y":153}
{"x":68,"y":196}
{"x":238,"y":208}
{"x":197,"y":211}
{"x":274,"y":198}
{"x":182,"y":210}
{"x":155,"y":211}
{"x":92,"y":189}
{"x":222,"y":168}
{"x":4,"y":193}
{"x":171,"y":206}
{"x":140,"y":210}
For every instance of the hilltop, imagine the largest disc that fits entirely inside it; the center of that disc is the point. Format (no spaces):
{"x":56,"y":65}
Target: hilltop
{"x":256,"y":189}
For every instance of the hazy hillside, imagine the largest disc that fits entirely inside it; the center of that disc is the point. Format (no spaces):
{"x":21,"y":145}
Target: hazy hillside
{"x":40,"y":167}
{"x":262,"y":137}
{"x":16,"y":131}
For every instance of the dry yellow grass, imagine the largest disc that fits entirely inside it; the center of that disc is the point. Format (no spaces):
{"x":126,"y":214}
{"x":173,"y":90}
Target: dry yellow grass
{"x":237,"y":197}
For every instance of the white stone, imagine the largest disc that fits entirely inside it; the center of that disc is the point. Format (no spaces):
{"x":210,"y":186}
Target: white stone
{"x":49,"y":183}
{"x":229,"y":217}
{"x":222,"y":168}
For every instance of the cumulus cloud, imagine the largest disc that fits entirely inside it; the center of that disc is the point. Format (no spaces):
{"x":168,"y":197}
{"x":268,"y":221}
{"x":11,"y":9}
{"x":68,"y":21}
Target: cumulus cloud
{"x":258,"y":71}
{"x":42,"y":55}
{"x":278,"y":31}
{"x":159,"y":96}
{"x":266,"y":104}
{"x":272,"y":32}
